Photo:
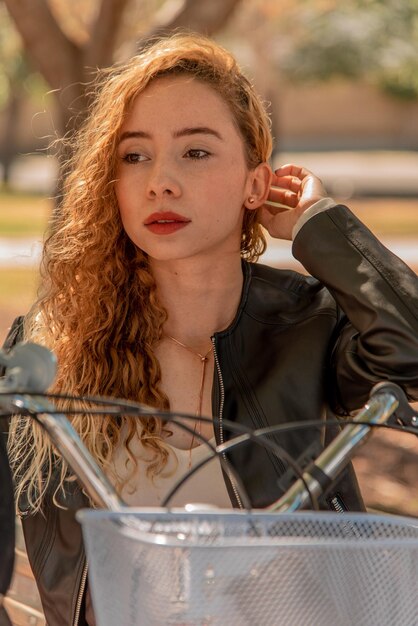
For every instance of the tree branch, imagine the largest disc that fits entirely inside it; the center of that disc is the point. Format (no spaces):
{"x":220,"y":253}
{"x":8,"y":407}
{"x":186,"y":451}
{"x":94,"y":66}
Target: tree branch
{"x":99,"y":51}
{"x":48,"y":48}
{"x":201,"y":16}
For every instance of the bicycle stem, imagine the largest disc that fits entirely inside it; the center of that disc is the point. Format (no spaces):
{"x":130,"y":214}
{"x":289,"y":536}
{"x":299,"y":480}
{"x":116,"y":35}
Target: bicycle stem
{"x":320,"y":474}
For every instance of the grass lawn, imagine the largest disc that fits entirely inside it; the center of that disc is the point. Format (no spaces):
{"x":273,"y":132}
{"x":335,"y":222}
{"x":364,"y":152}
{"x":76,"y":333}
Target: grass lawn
{"x":26,"y":216}
{"x":23,"y":215}
{"x":19,"y":284}
{"x":388,"y":216}
{"x":17,"y":292}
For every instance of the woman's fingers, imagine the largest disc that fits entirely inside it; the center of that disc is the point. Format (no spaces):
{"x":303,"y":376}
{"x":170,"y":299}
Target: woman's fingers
{"x":285,"y":190}
{"x":300,"y":181}
{"x":290,"y":169}
{"x":287,"y":182}
{"x":293,"y":190}
{"x":283,"y":196}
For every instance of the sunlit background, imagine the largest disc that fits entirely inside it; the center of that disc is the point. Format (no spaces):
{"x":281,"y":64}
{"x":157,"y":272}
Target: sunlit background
{"x":340,"y":80}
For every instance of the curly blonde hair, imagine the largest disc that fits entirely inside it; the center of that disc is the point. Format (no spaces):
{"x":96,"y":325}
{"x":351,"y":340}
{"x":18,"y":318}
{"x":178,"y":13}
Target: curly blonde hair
{"x":97,"y":308}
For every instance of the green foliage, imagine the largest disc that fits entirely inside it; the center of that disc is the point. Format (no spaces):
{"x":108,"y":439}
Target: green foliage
{"x":375,"y":40}
{"x":401,"y":82}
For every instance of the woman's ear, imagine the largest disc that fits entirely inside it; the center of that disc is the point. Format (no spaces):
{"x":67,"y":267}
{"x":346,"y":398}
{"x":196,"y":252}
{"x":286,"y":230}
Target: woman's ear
{"x":259,"y":185}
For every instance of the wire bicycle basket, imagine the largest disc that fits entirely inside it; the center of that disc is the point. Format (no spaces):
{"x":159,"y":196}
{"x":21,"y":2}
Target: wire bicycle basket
{"x":159,"y":568}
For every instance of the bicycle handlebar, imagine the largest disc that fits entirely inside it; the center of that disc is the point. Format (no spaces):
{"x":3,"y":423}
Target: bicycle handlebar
{"x":320,"y":473}
{"x":385,"y":399}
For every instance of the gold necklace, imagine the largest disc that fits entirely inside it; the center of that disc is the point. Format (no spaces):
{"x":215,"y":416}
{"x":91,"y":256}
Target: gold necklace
{"x":204,"y":358}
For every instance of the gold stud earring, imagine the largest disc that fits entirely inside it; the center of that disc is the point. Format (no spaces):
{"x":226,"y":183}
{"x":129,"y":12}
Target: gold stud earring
{"x":251,"y":200}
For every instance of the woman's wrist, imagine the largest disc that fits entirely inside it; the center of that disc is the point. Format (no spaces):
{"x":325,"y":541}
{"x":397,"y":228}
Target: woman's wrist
{"x":318,"y":207}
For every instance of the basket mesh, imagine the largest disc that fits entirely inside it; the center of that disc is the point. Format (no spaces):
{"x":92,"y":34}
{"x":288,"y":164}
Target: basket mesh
{"x":152,"y":568}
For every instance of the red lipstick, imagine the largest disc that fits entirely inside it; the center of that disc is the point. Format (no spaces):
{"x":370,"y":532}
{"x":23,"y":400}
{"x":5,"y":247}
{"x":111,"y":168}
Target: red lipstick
{"x":165,"y":222}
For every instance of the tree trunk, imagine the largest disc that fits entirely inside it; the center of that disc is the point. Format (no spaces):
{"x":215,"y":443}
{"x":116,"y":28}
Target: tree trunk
{"x":10,"y":135}
{"x":204,"y":16}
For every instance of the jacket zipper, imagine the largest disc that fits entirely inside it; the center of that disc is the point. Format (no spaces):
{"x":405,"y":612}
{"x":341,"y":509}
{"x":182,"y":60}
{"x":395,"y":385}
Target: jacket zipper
{"x":337,"y":505}
{"x":221,"y":408}
{"x":80,"y":595}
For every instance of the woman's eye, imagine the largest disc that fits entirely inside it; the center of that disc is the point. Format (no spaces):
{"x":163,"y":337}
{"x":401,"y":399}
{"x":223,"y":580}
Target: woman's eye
{"x":197,"y":155}
{"x":133,"y":157}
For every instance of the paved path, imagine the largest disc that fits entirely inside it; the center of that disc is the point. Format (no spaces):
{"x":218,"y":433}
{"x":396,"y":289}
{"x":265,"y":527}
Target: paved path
{"x":344,"y":172}
{"x":374,"y":172}
{"x":279,"y":253}
{"x":19,"y":252}
{"x":27,"y":252}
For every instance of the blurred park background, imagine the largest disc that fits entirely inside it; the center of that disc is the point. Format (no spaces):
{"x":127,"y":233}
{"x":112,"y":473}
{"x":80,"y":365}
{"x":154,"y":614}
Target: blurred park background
{"x":340,"y":80}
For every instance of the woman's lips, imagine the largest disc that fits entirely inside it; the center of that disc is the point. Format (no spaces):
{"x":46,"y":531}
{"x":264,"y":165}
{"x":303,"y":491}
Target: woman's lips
{"x":165,"y":222}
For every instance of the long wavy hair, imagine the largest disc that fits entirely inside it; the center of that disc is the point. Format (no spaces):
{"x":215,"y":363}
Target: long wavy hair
{"x":97,"y":307}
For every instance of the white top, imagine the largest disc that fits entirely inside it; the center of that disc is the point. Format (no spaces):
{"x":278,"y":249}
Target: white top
{"x":206,"y":486}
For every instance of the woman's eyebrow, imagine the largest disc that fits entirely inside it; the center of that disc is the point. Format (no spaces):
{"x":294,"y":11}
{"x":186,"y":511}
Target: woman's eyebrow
{"x":183,"y":132}
{"x":134,"y":134}
{"x":197,"y":130}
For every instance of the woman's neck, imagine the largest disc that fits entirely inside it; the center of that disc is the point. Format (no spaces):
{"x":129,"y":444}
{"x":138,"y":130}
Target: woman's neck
{"x":200,"y":298}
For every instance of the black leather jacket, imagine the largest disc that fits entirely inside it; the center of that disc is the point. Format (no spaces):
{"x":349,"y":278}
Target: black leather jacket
{"x":299,"y":348}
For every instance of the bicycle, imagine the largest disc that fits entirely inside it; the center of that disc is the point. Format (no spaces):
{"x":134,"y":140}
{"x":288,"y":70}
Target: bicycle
{"x":195,"y":567}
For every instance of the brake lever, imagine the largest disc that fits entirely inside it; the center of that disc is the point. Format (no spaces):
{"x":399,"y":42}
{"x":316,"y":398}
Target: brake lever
{"x":404,"y":413}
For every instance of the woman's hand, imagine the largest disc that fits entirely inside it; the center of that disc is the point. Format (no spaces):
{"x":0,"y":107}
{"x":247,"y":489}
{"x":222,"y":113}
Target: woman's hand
{"x":296,"y":189}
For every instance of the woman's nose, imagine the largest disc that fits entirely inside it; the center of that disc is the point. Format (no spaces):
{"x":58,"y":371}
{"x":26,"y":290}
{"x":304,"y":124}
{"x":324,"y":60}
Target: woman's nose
{"x":162,"y":182}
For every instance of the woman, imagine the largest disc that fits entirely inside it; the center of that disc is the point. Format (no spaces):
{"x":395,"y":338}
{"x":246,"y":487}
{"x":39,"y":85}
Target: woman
{"x":150,"y":292}
{"x":7,"y":530}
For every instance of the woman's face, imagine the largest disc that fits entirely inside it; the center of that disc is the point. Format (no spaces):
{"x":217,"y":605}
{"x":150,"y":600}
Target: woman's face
{"x":182,"y":177}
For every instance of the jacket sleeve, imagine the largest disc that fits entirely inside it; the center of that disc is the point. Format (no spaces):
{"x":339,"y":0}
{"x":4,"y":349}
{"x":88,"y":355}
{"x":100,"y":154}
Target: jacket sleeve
{"x":14,"y":335}
{"x":377,"y":337}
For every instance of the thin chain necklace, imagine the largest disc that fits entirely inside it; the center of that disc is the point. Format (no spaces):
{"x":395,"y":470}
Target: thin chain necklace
{"x":204,"y":358}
